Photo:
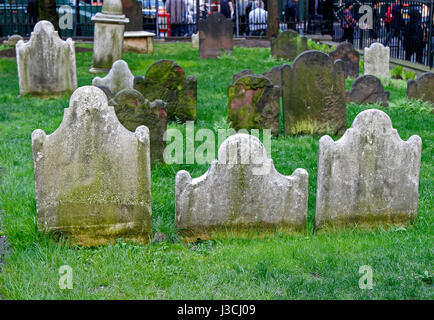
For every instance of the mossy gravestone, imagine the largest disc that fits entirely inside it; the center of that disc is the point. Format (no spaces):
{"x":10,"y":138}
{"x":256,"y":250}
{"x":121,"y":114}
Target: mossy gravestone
{"x":288,"y":45}
{"x":46,"y":63}
{"x":314,"y":95}
{"x":345,"y":51}
{"x":368,"y":176}
{"x":119,"y":78}
{"x":368,"y":89}
{"x":133,"y":111}
{"x":165,"y":80}
{"x":92,"y":176}
{"x":422,"y":88}
{"x":241,"y":190}
{"x":254,"y":103}
{"x":215,"y":36}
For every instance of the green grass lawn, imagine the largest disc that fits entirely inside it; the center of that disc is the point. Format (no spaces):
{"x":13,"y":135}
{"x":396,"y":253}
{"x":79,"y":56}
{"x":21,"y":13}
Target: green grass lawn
{"x":298,"y":266}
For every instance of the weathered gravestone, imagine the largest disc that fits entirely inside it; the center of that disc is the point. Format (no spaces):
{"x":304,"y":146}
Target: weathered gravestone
{"x":314,"y":95}
{"x":369,"y":175}
{"x":215,"y":36}
{"x":133,"y":110}
{"x":133,"y":11}
{"x":241,"y":189}
{"x":288,"y":45}
{"x":275,"y":75}
{"x":12,"y":40}
{"x":119,"y":78}
{"x":345,"y":51}
{"x":368,"y":89}
{"x":46,"y":63}
{"x":254,"y":103}
{"x":92,"y":176}
{"x":165,"y":80}
{"x":195,"y":40}
{"x":242,"y":73}
{"x":377,"y":60}
{"x":422,"y":88}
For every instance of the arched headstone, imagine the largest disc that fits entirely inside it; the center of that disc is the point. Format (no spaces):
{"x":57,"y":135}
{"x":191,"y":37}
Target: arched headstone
{"x":345,"y":51}
{"x":215,"y":35}
{"x":376,"y":61}
{"x":368,"y":89}
{"x":288,"y":45}
{"x":422,"y":88}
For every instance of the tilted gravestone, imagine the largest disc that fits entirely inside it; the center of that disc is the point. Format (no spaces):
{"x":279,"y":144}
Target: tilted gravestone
{"x":119,"y":78}
{"x":215,"y":35}
{"x":46,"y":63}
{"x":165,"y":80}
{"x":377,"y":60}
{"x":288,"y":45}
{"x":369,"y":175}
{"x":12,"y":40}
{"x":92,"y":176}
{"x":345,"y":51}
{"x":241,"y":189}
{"x":314,"y":95}
{"x":422,"y":88}
{"x":368,"y":89}
{"x":133,"y":111}
{"x":254,"y":103}
{"x":133,"y":11}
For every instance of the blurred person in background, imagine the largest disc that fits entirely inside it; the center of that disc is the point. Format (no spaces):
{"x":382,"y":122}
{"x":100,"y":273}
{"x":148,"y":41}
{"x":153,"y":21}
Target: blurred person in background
{"x":258,"y":19}
{"x":178,"y":14}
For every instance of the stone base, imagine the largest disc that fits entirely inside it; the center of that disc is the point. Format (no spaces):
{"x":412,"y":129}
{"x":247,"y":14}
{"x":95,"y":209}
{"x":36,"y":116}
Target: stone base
{"x":139,"y":42}
{"x":98,"y":70}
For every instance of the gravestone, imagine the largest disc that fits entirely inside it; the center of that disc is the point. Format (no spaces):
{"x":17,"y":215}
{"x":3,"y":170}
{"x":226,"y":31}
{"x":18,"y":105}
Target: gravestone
{"x":254,"y":103}
{"x":241,"y":189}
{"x":275,"y":75}
{"x":215,"y":35}
{"x":46,"y":63}
{"x":107,"y":92}
{"x":92,"y":176}
{"x":288,"y":45}
{"x":12,"y":40}
{"x":377,"y":60}
{"x":422,"y":88}
{"x":368,"y":176}
{"x":242,"y":73}
{"x":314,"y":95}
{"x":133,"y":111}
{"x":195,"y":40}
{"x":119,"y":78}
{"x":133,"y":11}
{"x":368,"y":89}
{"x":165,"y":80}
{"x":345,"y":51}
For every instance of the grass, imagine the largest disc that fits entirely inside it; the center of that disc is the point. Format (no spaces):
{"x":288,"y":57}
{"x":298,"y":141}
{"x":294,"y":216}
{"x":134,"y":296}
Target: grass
{"x":298,"y":266}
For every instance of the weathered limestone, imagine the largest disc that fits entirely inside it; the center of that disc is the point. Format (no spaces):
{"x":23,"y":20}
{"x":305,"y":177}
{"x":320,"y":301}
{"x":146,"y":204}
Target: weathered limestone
{"x":109,"y":36}
{"x":345,"y":51}
{"x":377,"y":60}
{"x":241,"y":189}
{"x":368,"y":89}
{"x":92,"y":176}
{"x":195,"y":40}
{"x":314,"y":95}
{"x":119,"y":78}
{"x":12,"y":40}
{"x":215,"y":36}
{"x":368,"y":176}
{"x":422,"y":88}
{"x":165,"y":80}
{"x":133,"y":111}
{"x":288,"y":45}
{"x":46,"y":63}
{"x":254,"y":103}
{"x":139,"y":41}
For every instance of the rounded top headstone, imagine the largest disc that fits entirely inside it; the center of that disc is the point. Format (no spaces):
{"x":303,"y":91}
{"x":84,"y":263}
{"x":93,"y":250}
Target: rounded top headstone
{"x":113,"y":7}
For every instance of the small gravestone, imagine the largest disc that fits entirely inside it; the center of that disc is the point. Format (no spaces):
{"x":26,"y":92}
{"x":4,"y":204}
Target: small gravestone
{"x":242,"y":73}
{"x":377,"y":60}
{"x":240,"y":190}
{"x":195,"y":40}
{"x":275,"y":75}
{"x":133,"y":111}
{"x":368,"y":176}
{"x":314,"y":95}
{"x":215,"y":35}
{"x":422,"y":88}
{"x":133,"y":11}
{"x":92,"y":176}
{"x":288,"y":45}
{"x":165,"y":80}
{"x":12,"y":40}
{"x":254,"y":103}
{"x":107,"y":92}
{"x":46,"y":63}
{"x":345,"y":51}
{"x":368,"y":89}
{"x":119,"y":78}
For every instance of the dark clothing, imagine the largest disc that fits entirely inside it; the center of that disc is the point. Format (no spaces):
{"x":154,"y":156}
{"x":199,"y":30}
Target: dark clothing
{"x":348,"y":24}
{"x":373,"y":33}
{"x":413,"y":37}
{"x":225,"y":9}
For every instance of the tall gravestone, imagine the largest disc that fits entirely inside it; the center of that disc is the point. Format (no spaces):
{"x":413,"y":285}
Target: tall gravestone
{"x":314,"y":95}
{"x":133,"y":11}
{"x":165,"y":80}
{"x":119,"y":78}
{"x":368,"y":176}
{"x":288,"y":45}
{"x":241,"y":189}
{"x":254,"y":103}
{"x":368,"y":89}
{"x":46,"y":63}
{"x":377,"y":60}
{"x":422,"y":88}
{"x":133,"y":111}
{"x":92,"y":176}
{"x":345,"y":51}
{"x":215,"y":35}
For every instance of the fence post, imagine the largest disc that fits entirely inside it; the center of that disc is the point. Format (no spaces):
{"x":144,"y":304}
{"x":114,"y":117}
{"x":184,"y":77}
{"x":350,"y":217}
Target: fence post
{"x":430,"y":48}
{"x":157,"y":30}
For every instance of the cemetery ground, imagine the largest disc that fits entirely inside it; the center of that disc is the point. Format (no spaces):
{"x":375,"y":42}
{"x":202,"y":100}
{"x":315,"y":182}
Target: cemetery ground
{"x":306,"y":265}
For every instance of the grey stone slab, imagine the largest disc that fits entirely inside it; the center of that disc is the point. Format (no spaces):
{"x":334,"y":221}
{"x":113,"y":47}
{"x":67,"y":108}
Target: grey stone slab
{"x":368,"y":89}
